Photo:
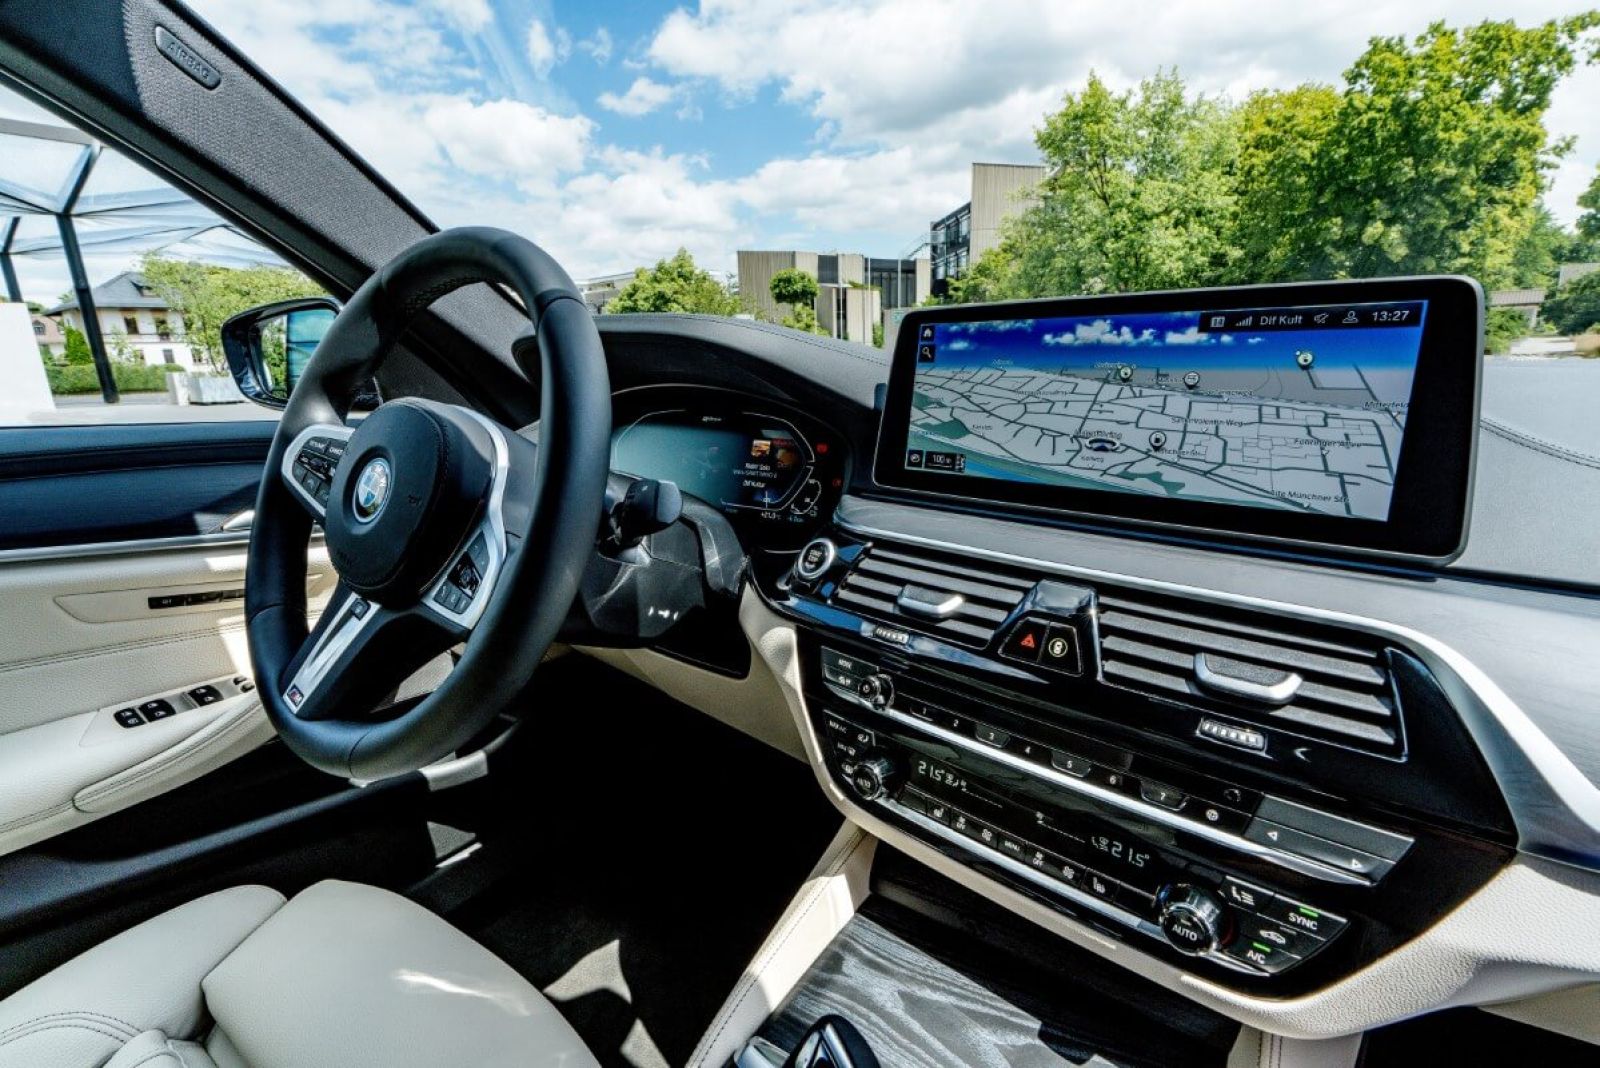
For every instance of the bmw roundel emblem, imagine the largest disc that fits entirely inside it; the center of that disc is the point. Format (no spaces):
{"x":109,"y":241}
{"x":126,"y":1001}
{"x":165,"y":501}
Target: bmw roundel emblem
{"x":372,"y":489}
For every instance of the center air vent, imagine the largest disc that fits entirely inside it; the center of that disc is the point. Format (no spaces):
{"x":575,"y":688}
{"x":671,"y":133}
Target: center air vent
{"x":936,"y":593}
{"x":1319,"y":681}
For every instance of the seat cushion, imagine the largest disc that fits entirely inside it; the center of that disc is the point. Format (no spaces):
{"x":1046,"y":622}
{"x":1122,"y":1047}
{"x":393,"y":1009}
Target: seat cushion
{"x":350,"y":976}
{"x":145,"y":979}
{"x":342,"y":975}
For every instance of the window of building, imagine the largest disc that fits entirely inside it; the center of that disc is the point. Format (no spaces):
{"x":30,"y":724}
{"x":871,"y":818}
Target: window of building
{"x":168,"y":356}
{"x":130,"y":324}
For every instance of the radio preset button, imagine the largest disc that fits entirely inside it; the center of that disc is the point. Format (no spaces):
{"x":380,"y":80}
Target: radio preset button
{"x":990,"y":735}
{"x":1162,"y":795}
{"x":1073,"y":765}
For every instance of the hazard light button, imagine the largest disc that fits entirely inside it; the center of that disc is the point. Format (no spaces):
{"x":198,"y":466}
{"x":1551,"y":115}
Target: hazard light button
{"x":1026,"y":641}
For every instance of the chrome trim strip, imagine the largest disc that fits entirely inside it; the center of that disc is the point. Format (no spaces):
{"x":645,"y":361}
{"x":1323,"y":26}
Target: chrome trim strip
{"x":330,"y":646}
{"x":1554,"y":806}
{"x":1111,"y":799}
{"x":222,"y":539}
{"x":1077,"y":897}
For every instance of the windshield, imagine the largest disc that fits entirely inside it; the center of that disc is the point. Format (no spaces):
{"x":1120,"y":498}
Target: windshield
{"x":827,"y":166}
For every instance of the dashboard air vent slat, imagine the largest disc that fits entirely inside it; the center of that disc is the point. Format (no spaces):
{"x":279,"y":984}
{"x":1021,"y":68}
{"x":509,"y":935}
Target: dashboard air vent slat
{"x":1150,"y":643}
{"x":875,"y":585}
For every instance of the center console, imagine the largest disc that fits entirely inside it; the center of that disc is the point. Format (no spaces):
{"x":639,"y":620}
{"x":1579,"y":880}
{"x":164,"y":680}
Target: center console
{"x":1267,"y":799}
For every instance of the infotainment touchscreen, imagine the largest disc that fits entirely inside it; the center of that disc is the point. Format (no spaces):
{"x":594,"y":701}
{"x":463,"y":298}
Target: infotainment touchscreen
{"x":1207,"y":405}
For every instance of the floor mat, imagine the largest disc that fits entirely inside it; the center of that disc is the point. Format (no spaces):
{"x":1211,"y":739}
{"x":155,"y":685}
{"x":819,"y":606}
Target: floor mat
{"x":649,"y":851}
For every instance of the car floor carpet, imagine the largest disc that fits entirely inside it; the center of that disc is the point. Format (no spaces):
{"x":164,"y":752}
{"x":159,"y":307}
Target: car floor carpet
{"x":644,"y":853}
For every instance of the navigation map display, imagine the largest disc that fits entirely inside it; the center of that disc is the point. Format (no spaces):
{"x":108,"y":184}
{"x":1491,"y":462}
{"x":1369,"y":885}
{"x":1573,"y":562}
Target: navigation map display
{"x":1300,"y":408}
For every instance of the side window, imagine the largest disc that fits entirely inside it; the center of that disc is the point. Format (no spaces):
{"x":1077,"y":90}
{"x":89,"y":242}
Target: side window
{"x":114,"y":285}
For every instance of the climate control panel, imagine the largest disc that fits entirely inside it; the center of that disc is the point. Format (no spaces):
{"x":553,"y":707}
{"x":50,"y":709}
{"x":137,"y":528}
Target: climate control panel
{"x":1211,"y":871}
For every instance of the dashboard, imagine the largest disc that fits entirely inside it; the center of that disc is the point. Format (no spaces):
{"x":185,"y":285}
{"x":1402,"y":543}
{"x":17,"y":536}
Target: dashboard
{"x":1268,"y":748}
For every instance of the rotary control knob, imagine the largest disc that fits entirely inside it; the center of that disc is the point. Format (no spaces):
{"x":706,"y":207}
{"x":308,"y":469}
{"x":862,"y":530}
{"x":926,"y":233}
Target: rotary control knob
{"x":1192,"y":919}
{"x":873,"y":778}
{"x":876,"y":690}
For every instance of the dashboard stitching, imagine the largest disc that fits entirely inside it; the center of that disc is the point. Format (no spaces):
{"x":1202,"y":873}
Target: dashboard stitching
{"x":1537,"y":444}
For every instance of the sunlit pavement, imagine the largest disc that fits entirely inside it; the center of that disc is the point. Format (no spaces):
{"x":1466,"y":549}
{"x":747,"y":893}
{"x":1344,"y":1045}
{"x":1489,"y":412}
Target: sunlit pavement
{"x":1541,"y":347}
{"x":89,"y":408}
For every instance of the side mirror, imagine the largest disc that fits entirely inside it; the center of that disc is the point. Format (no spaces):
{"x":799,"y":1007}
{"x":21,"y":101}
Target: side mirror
{"x":269,"y":346}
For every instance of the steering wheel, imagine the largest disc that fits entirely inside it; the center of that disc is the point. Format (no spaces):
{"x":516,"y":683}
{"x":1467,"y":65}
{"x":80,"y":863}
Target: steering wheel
{"x":445,"y":528}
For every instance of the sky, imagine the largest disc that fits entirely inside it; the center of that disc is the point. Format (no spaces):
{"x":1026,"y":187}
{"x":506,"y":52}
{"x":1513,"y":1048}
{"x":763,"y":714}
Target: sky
{"x":1162,"y":339}
{"x":613,"y":133}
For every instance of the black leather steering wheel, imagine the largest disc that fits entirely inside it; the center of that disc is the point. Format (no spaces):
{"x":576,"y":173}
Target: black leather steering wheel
{"x":444,"y":527}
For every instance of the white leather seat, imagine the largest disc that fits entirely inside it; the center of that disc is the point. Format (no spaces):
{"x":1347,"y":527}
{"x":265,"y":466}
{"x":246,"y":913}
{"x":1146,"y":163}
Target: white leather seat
{"x":342,"y":975}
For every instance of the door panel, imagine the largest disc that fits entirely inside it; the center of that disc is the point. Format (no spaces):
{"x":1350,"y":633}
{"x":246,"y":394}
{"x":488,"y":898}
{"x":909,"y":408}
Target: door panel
{"x":79,"y":484}
{"x":91,"y":635}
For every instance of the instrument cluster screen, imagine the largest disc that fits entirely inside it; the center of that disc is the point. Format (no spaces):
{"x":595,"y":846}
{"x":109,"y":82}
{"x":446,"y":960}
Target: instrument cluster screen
{"x":757,"y":468}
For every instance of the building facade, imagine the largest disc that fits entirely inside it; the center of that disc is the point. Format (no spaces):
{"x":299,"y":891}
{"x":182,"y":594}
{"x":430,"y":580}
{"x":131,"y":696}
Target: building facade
{"x":598,"y":292}
{"x":853,"y":290}
{"x":999,"y":191}
{"x":135,"y":320}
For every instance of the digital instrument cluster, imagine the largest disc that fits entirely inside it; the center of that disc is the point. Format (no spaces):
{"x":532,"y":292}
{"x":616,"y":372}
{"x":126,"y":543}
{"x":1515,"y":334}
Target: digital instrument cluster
{"x":775,"y":474}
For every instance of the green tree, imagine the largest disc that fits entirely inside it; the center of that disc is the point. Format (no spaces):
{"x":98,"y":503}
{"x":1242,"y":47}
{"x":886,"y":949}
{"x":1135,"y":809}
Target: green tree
{"x":208,"y":295}
{"x":1536,"y":259}
{"x":1502,"y":327}
{"x":674,"y":285}
{"x":1434,"y":158}
{"x":793,"y":286}
{"x":799,"y":290}
{"x":1576,"y":306}
{"x":77,"y":347}
{"x":1586,"y":246}
{"x":1139,"y":197}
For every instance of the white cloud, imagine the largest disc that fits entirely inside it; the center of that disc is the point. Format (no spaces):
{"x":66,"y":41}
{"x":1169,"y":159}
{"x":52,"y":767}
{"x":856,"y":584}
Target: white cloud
{"x":473,"y":15}
{"x":545,"y":50}
{"x":979,"y":77}
{"x":1100,"y":332}
{"x":1191,"y":336}
{"x":598,"y":46}
{"x":507,"y":138}
{"x":642,"y":97}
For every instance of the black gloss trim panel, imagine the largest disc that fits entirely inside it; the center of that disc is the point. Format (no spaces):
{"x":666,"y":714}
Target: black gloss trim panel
{"x":76,"y":485}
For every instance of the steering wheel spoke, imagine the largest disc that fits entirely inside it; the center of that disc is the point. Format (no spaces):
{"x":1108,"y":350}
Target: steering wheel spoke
{"x":309,"y":464}
{"x":359,"y":652}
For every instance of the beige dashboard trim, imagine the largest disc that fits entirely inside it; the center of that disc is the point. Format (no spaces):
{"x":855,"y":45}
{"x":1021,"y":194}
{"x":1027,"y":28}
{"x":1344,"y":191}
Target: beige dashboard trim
{"x":825,"y":902}
{"x":1511,"y":940}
